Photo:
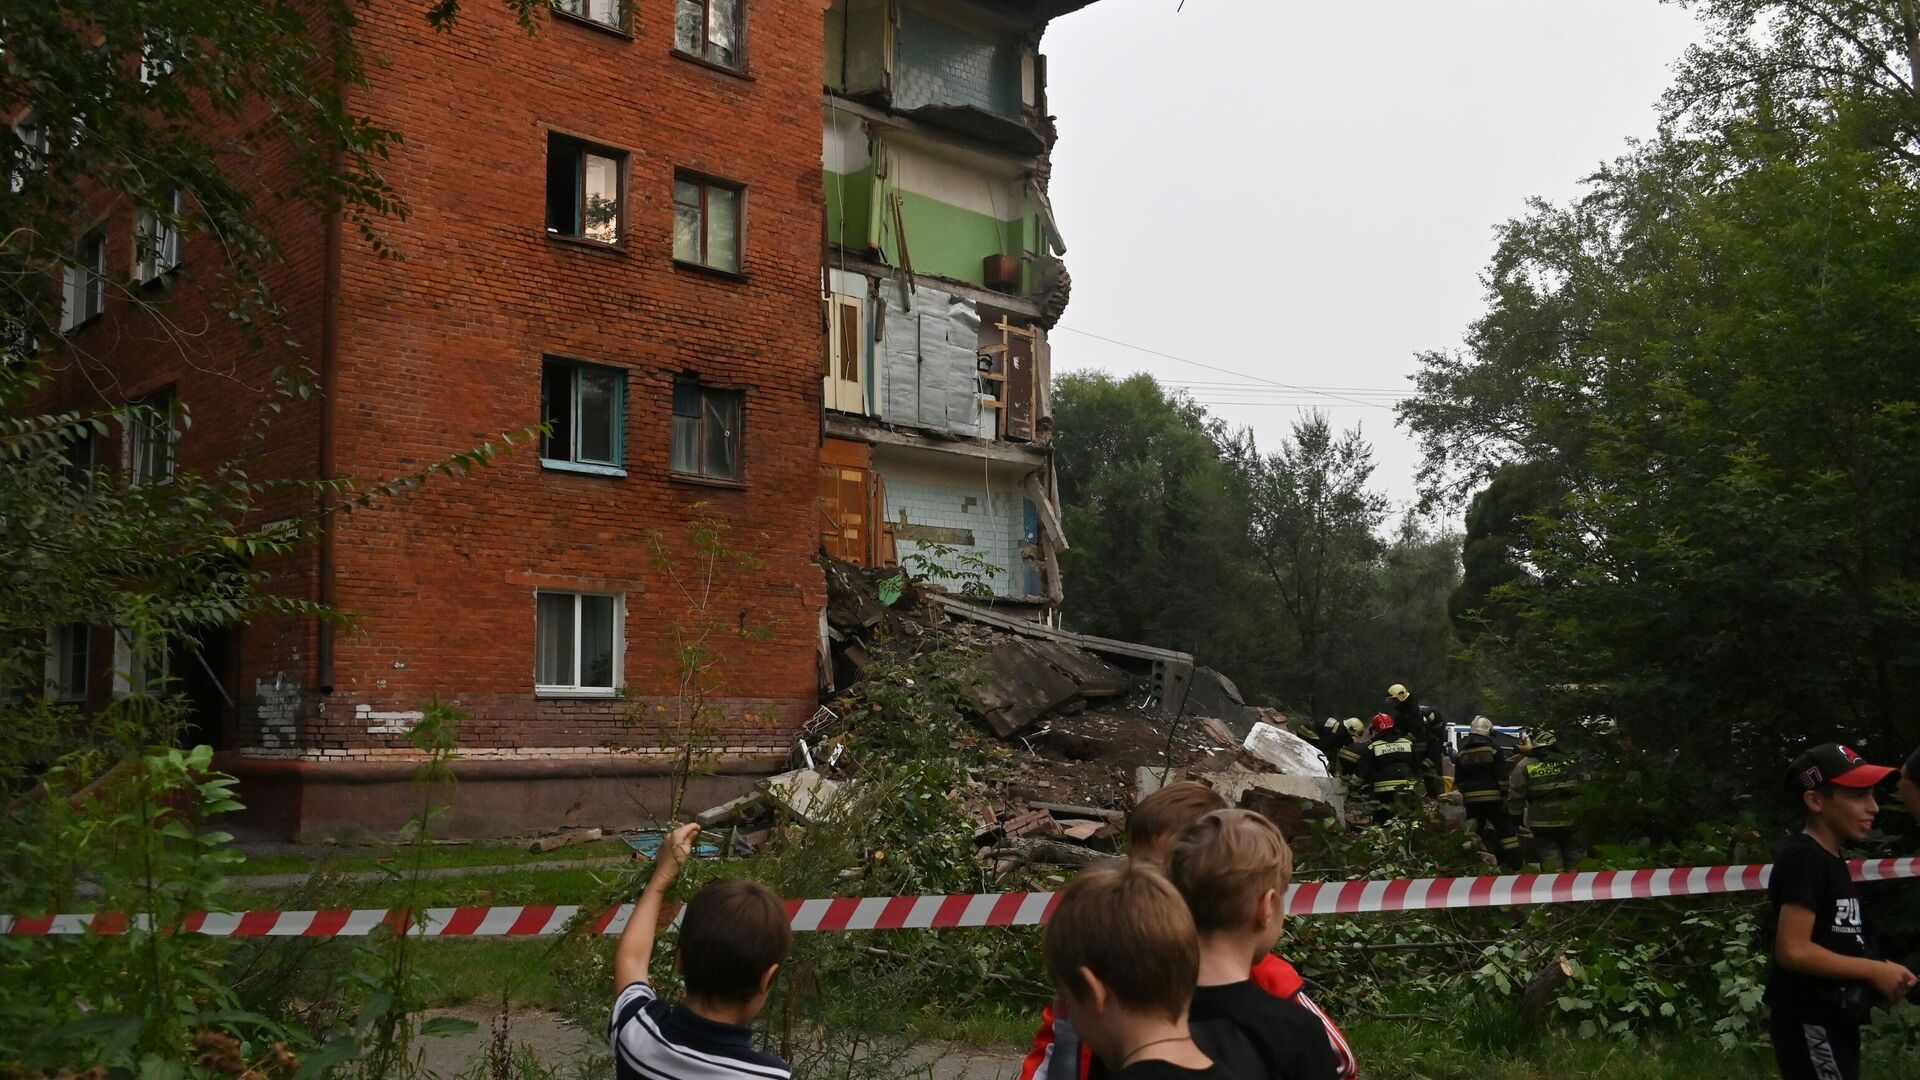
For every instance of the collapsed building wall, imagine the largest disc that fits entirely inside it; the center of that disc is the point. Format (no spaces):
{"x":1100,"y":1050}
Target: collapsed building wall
{"x":942,"y":277}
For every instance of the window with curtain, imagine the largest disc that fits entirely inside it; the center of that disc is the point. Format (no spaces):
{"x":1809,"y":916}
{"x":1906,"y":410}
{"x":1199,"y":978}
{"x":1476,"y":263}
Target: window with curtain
{"x":712,"y":30}
{"x":706,"y":222}
{"x":576,"y":642}
{"x":706,"y":431}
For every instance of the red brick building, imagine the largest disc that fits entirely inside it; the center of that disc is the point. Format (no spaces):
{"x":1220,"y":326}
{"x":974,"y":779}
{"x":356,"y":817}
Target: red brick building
{"x":615,"y":225}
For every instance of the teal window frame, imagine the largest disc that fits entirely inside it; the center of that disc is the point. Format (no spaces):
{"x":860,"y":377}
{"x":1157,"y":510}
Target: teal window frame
{"x":574,"y":462}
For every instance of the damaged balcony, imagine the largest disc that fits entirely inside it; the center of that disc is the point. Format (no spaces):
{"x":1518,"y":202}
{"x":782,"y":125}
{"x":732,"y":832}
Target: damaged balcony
{"x":971,"y":67}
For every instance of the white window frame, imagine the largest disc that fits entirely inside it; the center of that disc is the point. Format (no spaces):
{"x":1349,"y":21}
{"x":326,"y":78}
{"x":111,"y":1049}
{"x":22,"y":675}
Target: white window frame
{"x":574,"y":689}
{"x":138,"y":431}
{"x":83,"y":292}
{"x":57,"y":639}
{"x":156,"y":245}
{"x":843,"y":395}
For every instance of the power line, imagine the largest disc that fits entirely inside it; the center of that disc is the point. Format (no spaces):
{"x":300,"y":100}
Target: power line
{"x":1225,"y":371}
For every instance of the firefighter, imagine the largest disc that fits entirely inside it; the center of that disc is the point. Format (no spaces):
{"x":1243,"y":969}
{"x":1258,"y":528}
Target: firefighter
{"x":1390,"y":768}
{"x":1478,"y":776}
{"x":1410,"y":719}
{"x":1542,"y":788}
{"x":1333,"y":741}
{"x":1350,"y":760}
{"x":1432,"y":747}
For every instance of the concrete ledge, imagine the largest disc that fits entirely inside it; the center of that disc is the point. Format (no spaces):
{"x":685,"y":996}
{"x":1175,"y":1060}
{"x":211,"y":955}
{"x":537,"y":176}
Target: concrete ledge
{"x":310,"y":800}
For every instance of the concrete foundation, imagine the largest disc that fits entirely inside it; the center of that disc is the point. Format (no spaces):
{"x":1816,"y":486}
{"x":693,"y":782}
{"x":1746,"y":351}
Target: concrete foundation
{"x":309,"y":800}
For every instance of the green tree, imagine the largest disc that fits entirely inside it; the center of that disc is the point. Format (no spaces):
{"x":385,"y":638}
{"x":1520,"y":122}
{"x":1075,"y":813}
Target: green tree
{"x":1713,"y":352}
{"x":1312,"y":526}
{"x":1157,"y":521}
{"x":129,"y":102}
{"x":1801,"y":64}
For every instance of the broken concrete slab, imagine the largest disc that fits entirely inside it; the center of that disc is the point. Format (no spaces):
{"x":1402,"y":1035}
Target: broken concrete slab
{"x":1214,"y":695}
{"x":1285,"y":751}
{"x":1234,"y":783}
{"x":802,"y":792}
{"x":734,"y":811}
{"x":1020,"y":687}
{"x":1095,"y":677}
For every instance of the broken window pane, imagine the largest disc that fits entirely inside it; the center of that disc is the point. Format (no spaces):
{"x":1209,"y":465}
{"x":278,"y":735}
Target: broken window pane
{"x":596,"y":641}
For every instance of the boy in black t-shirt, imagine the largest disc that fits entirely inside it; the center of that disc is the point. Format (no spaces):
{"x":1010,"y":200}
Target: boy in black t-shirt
{"x":1122,"y":954}
{"x":1232,"y":867}
{"x":1824,"y":978}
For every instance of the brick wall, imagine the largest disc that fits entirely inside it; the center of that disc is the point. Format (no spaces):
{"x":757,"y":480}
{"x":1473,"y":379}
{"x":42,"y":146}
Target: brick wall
{"x":441,"y":350}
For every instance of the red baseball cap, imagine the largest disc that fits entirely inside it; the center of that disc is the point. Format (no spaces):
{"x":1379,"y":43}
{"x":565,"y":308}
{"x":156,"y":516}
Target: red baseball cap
{"x":1832,"y":763}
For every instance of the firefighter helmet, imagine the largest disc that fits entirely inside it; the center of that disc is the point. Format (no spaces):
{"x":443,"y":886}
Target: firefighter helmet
{"x":1398,"y":692}
{"x":1382,"y":722}
{"x":1481,"y":726}
{"x":1354,"y":726}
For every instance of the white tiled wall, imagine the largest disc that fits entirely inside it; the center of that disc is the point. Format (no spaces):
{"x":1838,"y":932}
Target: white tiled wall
{"x":997,"y":521}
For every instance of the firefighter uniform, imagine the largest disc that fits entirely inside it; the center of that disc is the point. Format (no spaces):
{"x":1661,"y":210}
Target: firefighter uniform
{"x":1334,"y":740}
{"x":1543,"y":786}
{"x":1478,"y":776}
{"x":1391,"y":770}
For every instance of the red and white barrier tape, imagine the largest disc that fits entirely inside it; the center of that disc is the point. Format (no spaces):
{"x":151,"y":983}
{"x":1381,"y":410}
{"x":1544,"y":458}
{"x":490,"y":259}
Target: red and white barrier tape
{"x":983,"y":909}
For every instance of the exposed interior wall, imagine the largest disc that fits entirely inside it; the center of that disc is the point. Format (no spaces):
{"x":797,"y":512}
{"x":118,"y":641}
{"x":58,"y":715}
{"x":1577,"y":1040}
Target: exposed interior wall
{"x":956,"y":207}
{"x":962,"y":504}
{"x":937,"y":62}
{"x":929,"y":375}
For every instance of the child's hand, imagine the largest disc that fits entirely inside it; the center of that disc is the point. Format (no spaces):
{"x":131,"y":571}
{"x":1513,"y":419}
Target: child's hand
{"x":1892,"y":980}
{"x":675,"y":850}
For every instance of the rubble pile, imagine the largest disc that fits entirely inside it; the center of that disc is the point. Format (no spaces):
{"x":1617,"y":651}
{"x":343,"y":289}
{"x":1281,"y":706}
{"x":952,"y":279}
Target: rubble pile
{"x":1082,"y":728}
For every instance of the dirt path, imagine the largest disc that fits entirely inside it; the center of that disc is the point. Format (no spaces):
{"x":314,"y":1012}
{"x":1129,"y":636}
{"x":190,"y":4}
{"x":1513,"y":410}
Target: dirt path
{"x":573,"y":1053}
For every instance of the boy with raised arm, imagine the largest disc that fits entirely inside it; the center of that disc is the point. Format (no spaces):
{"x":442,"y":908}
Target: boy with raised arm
{"x":732,"y":939}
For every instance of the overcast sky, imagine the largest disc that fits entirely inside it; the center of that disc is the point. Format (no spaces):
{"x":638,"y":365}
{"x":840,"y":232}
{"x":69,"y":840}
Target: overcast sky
{"x":1305,"y":192}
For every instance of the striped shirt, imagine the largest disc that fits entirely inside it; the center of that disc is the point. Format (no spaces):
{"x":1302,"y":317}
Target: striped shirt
{"x":656,"y":1041}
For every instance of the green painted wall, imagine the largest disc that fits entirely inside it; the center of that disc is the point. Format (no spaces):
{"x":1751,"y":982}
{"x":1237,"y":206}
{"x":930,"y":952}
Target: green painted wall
{"x":942,"y":239}
{"x":852,"y":196}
